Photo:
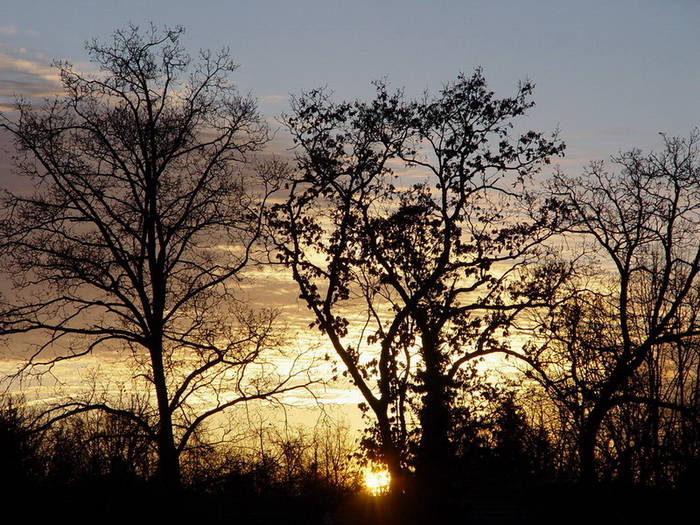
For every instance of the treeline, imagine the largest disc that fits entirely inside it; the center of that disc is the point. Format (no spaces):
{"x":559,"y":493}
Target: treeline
{"x":430,"y":246}
{"x":505,"y":460}
{"x":101,"y":462}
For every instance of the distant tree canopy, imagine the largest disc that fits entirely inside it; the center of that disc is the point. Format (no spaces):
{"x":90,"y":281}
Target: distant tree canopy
{"x":142,"y":210}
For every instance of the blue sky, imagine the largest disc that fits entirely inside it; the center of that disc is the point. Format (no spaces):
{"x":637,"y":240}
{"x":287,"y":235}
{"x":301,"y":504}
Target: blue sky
{"x":611,"y":75}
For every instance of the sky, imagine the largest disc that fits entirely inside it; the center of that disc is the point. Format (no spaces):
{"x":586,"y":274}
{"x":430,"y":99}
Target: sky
{"x":610,"y":75}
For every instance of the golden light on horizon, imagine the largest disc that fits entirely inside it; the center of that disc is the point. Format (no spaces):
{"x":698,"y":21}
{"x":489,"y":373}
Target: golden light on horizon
{"x":377,"y":482}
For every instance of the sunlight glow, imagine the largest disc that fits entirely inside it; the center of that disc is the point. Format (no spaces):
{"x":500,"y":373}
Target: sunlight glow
{"x":377,"y":482}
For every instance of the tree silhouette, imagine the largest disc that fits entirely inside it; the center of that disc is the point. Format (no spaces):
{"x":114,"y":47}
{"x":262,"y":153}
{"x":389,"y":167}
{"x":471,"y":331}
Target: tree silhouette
{"x":18,"y":447}
{"x":442,"y":257}
{"x":141,"y":216}
{"x":642,"y":225}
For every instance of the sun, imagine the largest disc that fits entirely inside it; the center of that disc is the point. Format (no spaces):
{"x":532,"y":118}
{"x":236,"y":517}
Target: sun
{"x":377,"y":481}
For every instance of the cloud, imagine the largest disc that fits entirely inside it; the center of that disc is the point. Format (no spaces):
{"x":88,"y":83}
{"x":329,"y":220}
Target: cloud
{"x":24,"y":75}
{"x":273,"y":99}
{"x":16,"y":31}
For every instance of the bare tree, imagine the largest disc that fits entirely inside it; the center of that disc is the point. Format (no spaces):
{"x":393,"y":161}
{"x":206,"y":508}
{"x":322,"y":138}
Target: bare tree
{"x":605,"y":349}
{"x":141,"y":219}
{"x":441,"y":258}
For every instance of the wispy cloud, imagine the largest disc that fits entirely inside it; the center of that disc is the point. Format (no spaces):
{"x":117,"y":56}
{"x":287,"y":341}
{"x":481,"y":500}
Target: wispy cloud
{"x":25,"y":75}
{"x":15,"y":31}
{"x":273,"y":99}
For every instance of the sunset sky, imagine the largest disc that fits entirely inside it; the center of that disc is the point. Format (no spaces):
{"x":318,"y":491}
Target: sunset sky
{"x":610,"y":75}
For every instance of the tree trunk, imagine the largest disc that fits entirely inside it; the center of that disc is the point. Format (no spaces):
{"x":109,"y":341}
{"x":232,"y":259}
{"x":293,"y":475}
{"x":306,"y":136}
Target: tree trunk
{"x":168,"y":456}
{"x":434,"y":452}
{"x":588,"y":437}
{"x":391,"y":454}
